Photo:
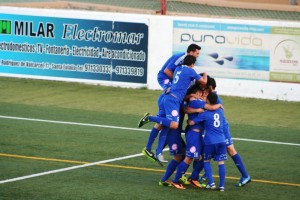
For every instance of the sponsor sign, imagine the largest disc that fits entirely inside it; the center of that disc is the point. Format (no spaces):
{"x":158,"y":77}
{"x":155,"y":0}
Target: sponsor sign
{"x":242,"y":51}
{"x":99,"y":50}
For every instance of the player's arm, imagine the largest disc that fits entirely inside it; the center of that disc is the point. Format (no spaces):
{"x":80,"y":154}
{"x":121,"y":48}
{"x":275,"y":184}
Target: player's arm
{"x":200,"y":118}
{"x":203,"y":79}
{"x":213,"y":107}
{"x":190,"y":110}
{"x":190,"y":122}
{"x":168,"y":72}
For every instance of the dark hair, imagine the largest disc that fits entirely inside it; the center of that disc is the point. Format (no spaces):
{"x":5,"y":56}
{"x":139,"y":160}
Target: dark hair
{"x":193,"y":47}
{"x":211,"y":82}
{"x":189,"y":60}
{"x":193,"y":89}
{"x":212,"y":98}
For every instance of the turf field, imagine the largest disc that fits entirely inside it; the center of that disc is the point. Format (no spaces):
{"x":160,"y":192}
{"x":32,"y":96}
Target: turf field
{"x":51,"y":131}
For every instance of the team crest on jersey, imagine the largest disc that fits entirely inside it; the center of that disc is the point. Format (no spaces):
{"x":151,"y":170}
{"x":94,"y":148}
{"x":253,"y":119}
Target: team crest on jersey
{"x":174,"y":147}
{"x":226,"y":141}
{"x":166,"y":81}
{"x":174,"y":113}
{"x":193,"y":149}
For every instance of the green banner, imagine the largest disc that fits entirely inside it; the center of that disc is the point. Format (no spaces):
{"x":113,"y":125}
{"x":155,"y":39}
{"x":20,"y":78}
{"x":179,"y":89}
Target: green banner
{"x":285,"y":30}
{"x":285,"y":77}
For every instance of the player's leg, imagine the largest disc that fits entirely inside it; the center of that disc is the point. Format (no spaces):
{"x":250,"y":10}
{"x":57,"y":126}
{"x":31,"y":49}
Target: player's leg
{"x":220,"y":157}
{"x":191,"y":153}
{"x":154,"y":132}
{"x":175,"y":146}
{"x":181,"y":169}
{"x":152,"y":136}
{"x":222,"y":174}
{"x":208,"y":154}
{"x":163,"y":133}
{"x":157,"y":127}
{"x":161,"y":145}
{"x":237,"y":160}
{"x":198,"y":164}
{"x":171,"y":107}
{"x":245,"y":178}
{"x":208,"y":172}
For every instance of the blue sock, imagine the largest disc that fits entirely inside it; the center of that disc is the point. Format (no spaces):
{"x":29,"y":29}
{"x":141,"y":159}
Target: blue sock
{"x":239,"y":164}
{"x":197,"y":168}
{"x":160,"y":120}
{"x":153,"y":134}
{"x":208,"y":172}
{"x":222,"y":173}
{"x":170,"y":170}
{"x":181,"y":169}
{"x":162,"y":140}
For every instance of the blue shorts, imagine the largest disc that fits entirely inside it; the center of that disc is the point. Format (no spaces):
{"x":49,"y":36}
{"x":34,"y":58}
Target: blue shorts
{"x":194,"y":144}
{"x":169,"y":108}
{"x":164,"y":83}
{"x":228,"y":139}
{"x":215,"y":151}
{"x":175,"y":142}
{"x":161,"y":112}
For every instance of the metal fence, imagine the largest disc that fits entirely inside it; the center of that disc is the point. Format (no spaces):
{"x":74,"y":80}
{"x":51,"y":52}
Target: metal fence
{"x":173,"y":7}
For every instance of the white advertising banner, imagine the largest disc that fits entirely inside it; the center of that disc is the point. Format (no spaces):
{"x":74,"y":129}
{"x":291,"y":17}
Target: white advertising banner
{"x":242,"y":51}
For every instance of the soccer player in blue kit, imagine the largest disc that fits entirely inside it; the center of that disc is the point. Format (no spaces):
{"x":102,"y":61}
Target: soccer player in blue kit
{"x":245,"y":179}
{"x":170,"y":108}
{"x":194,"y":139}
{"x":164,"y":78}
{"x":214,"y":141}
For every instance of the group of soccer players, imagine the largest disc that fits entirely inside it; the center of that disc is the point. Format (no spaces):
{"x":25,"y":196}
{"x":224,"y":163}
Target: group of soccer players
{"x":207,"y":133}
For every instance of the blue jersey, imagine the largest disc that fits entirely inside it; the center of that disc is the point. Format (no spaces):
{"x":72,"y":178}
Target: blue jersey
{"x":176,"y":60}
{"x":226,"y":131}
{"x":183,"y":76}
{"x":213,"y":122}
{"x":197,"y":103}
{"x":219,"y":101}
{"x":171,"y":64}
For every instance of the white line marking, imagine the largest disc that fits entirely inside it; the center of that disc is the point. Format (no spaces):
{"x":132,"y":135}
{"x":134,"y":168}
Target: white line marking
{"x":72,"y":123}
{"x":266,"y":141}
{"x":99,"y":162}
{"x":133,"y":129}
{"x":68,"y":168}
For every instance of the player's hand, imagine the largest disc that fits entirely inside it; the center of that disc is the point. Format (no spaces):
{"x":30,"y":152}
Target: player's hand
{"x":190,"y":122}
{"x":220,"y":106}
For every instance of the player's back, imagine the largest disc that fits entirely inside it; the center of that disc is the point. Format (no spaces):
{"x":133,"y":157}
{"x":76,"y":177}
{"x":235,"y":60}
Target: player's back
{"x":196,"y":103}
{"x":219,"y":101}
{"x":183,"y":76}
{"x":213,"y":122}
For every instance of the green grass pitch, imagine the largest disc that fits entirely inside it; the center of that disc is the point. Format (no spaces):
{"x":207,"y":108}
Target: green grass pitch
{"x":32,"y":147}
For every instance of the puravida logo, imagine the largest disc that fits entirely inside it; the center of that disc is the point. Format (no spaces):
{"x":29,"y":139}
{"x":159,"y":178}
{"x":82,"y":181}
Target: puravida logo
{"x":221,"y":60}
{"x":5,"y":27}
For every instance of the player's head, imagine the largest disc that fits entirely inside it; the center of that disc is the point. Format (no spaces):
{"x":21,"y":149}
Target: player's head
{"x":205,"y":92}
{"x":189,"y":60}
{"x":212,"y":98}
{"x":193,"y":50}
{"x":213,"y":83}
{"x":195,"y":90}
